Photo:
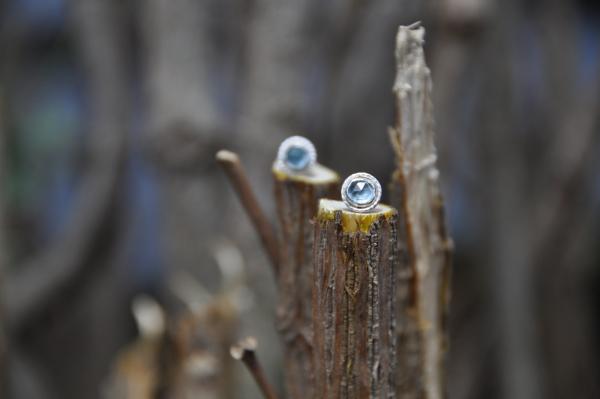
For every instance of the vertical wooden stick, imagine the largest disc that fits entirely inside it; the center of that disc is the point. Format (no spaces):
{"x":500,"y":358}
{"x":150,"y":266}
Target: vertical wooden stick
{"x":297,"y":197}
{"x":416,"y":194}
{"x":360,"y":299}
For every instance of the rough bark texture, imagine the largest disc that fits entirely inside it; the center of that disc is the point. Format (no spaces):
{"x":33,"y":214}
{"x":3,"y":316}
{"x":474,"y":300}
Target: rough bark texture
{"x":297,"y":198}
{"x":360,"y":299}
{"x":416,"y":193}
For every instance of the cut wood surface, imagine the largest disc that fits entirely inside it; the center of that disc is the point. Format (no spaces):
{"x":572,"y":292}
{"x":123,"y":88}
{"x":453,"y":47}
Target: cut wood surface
{"x":416,"y":193}
{"x":297,"y":196}
{"x":360,"y":299}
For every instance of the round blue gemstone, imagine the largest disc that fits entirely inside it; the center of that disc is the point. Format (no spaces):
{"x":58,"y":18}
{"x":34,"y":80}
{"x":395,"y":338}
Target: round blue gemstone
{"x":297,"y":158}
{"x":361,"y":192}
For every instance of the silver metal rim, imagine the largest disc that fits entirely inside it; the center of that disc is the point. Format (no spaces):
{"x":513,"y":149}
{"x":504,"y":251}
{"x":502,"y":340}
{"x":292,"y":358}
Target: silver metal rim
{"x":296,"y":141}
{"x":362,"y":208}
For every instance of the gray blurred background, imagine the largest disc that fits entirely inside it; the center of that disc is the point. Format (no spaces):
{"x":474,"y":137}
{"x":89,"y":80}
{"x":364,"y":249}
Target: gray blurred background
{"x":111,"y":112}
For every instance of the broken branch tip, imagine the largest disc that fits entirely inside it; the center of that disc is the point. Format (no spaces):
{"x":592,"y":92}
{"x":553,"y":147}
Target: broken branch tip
{"x":244,"y":346}
{"x":227,"y":156}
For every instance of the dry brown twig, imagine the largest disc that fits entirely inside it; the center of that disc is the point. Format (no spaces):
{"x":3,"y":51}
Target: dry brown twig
{"x":230,"y":162}
{"x":245,"y":351}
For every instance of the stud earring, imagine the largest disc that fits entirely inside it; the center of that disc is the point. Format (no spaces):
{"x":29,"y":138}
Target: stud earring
{"x":296,"y":153}
{"x":361,"y":192}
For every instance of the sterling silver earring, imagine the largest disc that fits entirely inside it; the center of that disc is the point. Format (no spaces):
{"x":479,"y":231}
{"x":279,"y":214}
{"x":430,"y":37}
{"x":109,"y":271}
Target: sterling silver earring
{"x":296,"y":153}
{"x":361,"y":192}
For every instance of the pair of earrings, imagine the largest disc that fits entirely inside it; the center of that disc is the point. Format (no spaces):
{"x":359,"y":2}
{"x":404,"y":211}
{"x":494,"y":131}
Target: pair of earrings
{"x":361,"y":192}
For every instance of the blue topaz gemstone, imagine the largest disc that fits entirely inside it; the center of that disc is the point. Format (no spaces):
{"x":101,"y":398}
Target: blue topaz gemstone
{"x":296,"y":153}
{"x":361,"y":192}
{"x":297,"y":158}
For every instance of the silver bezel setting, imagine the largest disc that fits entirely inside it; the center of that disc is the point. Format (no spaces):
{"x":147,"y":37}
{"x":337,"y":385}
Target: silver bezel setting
{"x":362,"y":208}
{"x":296,"y":141}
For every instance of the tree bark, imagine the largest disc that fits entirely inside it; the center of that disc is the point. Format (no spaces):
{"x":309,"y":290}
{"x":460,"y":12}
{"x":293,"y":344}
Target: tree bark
{"x":361,"y":301}
{"x":415,"y":192}
{"x":297,"y":198}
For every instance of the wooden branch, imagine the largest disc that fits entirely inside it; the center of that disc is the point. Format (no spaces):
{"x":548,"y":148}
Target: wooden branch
{"x":361,"y":302}
{"x":36,"y":285}
{"x":235,"y":172}
{"x":416,"y":194}
{"x":297,"y":197}
{"x":245,"y":351}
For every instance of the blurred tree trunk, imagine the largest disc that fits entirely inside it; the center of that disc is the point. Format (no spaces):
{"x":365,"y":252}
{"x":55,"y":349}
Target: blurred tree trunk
{"x":500,"y":144}
{"x":358,"y":78}
{"x":48,"y":297}
{"x":183,"y":128}
{"x":274,"y":97}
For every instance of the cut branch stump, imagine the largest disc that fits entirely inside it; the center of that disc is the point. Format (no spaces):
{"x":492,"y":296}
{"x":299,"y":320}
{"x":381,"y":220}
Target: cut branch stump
{"x":360,"y":304}
{"x":297,"y":197}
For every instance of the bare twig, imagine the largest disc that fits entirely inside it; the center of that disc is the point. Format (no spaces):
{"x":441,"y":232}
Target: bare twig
{"x":245,"y":351}
{"x":230,"y":162}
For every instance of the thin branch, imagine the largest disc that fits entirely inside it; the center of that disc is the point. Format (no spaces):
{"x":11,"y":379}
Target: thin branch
{"x":245,"y":351}
{"x":230,"y":162}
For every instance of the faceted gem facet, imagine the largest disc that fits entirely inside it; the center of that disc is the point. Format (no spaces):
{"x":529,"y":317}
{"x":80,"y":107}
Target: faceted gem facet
{"x":297,"y":158}
{"x":361,"y":192}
